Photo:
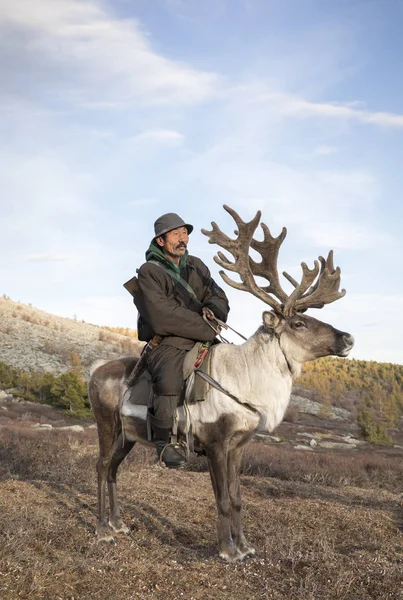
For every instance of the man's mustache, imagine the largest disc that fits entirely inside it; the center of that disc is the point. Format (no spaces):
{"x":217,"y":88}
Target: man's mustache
{"x":181,"y":245}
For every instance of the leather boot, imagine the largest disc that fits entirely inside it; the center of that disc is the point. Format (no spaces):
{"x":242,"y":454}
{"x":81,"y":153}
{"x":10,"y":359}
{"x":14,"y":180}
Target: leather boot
{"x":170,"y":455}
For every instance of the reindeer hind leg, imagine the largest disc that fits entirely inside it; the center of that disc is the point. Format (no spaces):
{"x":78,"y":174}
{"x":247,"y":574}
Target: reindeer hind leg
{"x":120,"y":450}
{"x":103,"y":530}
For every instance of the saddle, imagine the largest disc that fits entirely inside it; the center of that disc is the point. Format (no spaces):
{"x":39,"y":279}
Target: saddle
{"x":137,"y":398}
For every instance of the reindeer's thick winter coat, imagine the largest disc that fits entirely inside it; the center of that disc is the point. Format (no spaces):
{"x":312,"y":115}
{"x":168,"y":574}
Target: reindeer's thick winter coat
{"x":259,"y":373}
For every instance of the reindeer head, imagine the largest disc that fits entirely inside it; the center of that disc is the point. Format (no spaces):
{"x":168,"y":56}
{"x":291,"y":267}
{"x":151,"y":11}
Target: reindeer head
{"x":306,"y":336}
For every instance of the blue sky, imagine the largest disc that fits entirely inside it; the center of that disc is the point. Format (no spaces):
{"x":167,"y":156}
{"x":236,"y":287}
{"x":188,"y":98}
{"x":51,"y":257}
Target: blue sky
{"x":113,"y":113}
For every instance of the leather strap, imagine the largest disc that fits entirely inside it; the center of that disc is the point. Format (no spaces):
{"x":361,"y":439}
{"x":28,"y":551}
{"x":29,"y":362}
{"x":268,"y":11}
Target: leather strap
{"x":176,"y":278}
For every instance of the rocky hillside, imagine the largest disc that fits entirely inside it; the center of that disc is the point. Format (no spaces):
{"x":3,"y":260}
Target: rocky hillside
{"x":32,"y":339}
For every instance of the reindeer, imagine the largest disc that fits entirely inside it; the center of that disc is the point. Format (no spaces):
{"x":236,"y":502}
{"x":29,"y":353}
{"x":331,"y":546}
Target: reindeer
{"x":257,"y":376}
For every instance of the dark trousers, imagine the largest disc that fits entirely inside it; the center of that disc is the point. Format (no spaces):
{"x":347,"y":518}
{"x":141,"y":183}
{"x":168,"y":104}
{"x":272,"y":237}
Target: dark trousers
{"x":165,"y":364}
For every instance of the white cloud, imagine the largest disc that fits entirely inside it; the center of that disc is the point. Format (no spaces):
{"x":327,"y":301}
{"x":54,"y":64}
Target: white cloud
{"x":143,"y":202}
{"x":317,"y":205}
{"x":42,"y":188}
{"x":324,"y":150}
{"x":297,"y":107}
{"x":82,"y":53}
{"x":44,"y":258}
{"x":163,"y":137}
{"x":347,"y":236}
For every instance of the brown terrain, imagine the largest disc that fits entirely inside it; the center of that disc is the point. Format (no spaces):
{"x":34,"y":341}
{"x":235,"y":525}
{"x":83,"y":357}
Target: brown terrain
{"x":322,"y":508}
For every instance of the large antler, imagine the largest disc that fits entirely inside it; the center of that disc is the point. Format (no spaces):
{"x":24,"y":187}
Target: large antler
{"x":244,"y":265}
{"x":324,"y":291}
{"x":307,"y":293}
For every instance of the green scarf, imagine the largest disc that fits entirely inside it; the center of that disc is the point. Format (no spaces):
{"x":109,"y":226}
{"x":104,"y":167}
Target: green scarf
{"x":156,"y":256}
{"x":155,"y":253}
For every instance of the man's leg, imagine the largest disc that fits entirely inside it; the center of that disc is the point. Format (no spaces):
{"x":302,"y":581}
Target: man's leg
{"x":166,"y":367}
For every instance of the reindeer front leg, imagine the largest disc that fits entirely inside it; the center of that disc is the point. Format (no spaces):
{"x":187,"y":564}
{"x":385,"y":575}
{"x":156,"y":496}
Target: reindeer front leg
{"x":234,"y":488}
{"x":217,"y":460}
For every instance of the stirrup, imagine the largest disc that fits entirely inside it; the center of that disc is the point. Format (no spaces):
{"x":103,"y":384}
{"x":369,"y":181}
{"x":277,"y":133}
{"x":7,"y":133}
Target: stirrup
{"x":180,"y":464}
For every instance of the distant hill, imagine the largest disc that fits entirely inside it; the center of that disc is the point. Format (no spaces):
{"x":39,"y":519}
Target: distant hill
{"x":32,"y":339}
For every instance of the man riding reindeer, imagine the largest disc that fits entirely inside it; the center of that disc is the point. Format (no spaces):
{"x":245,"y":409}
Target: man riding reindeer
{"x":174,"y":291}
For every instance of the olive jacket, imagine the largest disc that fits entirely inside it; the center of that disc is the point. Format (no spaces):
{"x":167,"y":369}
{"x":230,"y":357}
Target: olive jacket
{"x":167,"y":308}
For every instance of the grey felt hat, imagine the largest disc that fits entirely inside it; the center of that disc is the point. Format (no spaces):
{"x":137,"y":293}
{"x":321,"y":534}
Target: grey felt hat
{"x":168,"y":222}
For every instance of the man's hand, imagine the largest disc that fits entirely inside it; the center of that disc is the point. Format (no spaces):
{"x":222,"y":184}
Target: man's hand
{"x":208,"y":313}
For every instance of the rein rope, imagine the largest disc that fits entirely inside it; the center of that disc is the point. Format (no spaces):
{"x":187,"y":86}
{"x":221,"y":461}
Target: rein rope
{"x":220,"y":325}
{"x":219,"y":387}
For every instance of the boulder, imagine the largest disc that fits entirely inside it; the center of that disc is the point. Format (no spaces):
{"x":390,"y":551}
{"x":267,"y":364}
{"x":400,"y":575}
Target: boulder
{"x":316,"y":408}
{"x":348,"y":439}
{"x":337,"y":445}
{"x":76,"y":428}
{"x":268,"y":438}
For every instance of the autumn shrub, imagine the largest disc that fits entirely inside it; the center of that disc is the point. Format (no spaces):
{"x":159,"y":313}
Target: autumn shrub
{"x":49,"y":346}
{"x":123,"y":331}
{"x":366,"y":469}
{"x":106,"y":336}
{"x":67,"y":391}
{"x":128,"y":346}
{"x":375,"y":432}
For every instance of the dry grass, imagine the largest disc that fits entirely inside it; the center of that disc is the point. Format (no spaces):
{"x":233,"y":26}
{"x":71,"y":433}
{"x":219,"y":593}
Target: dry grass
{"x":314,"y":541}
{"x":364,"y":469}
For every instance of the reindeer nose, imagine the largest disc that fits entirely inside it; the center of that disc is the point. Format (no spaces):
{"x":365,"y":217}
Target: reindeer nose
{"x":348,"y":339}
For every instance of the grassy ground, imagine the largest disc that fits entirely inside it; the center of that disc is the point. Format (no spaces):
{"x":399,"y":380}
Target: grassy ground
{"x":325,"y":526}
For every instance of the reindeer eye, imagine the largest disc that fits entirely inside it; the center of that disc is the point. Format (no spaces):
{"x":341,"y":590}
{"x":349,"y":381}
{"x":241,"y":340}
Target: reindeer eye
{"x":299,"y":325}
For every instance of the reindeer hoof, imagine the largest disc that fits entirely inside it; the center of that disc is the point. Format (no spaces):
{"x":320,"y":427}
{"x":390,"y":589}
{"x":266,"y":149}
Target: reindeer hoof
{"x":104,"y":535}
{"x":107,"y":538}
{"x":244,"y":553}
{"x":230,"y":554}
{"x":119,"y":527}
{"x":227,"y":557}
{"x":247,"y":551}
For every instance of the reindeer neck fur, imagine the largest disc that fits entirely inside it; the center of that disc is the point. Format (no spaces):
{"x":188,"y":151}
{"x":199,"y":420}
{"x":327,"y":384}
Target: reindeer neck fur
{"x":256,"y":372}
{"x":271,"y":372}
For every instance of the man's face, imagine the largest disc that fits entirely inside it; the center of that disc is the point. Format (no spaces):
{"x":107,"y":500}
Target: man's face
{"x":175,"y":243}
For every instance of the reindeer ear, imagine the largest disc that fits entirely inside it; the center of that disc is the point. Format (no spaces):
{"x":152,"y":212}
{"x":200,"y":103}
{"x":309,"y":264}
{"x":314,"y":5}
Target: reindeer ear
{"x":270,"y":320}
